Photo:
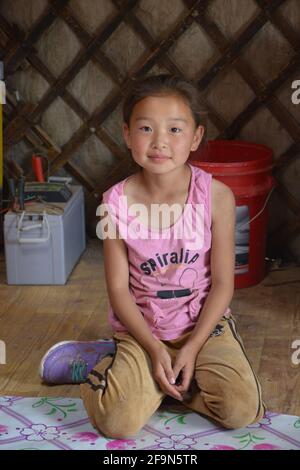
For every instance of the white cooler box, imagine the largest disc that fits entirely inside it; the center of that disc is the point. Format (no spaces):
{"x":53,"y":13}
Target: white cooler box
{"x":44,"y":248}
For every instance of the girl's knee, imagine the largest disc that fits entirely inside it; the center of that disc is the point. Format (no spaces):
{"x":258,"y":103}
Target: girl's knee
{"x":115,"y":431}
{"x":235,"y":403}
{"x":118,"y":425}
{"x":238,"y":416}
{"x":239,"y":407}
{"x":113,"y":418}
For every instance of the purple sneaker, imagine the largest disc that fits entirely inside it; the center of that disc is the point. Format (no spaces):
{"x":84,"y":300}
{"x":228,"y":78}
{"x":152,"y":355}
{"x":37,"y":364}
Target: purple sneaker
{"x":72,"y":361}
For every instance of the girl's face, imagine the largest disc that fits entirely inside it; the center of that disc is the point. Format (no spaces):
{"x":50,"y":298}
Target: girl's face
{"x":162,"y":133}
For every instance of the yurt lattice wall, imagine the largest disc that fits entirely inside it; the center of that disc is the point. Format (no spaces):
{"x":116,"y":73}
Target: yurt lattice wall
{"x":69,"y":62}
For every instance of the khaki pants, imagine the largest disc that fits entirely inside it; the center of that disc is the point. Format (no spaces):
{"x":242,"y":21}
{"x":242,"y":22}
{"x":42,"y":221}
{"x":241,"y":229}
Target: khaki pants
{"x":120,"y":394}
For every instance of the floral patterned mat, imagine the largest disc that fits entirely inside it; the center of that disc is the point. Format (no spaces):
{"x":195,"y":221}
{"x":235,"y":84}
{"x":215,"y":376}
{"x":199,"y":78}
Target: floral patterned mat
{"x":61,"y":423}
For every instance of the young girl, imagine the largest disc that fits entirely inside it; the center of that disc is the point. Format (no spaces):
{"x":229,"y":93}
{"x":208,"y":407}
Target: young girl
{"x":169,"y":294}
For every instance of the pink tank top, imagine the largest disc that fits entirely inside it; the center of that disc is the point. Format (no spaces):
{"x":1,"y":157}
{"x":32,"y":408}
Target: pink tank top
{"x":169,"y":269}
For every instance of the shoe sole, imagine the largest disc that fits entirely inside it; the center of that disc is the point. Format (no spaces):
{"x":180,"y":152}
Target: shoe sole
{"x":57,"y":345}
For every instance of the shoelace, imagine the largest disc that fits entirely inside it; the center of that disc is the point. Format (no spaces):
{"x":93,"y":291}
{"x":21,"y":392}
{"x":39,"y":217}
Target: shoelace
{"x":78,"y":370}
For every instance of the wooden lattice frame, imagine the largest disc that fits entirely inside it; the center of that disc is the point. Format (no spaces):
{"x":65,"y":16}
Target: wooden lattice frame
{"x":23,"y":122}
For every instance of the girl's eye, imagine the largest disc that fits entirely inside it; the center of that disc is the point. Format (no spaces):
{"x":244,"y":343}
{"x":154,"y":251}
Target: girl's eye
{"x":175,"y":130}
{"x":145,"y":128}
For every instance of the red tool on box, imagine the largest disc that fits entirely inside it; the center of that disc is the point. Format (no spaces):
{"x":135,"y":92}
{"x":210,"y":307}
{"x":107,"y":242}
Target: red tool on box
{"x":37,"y":166}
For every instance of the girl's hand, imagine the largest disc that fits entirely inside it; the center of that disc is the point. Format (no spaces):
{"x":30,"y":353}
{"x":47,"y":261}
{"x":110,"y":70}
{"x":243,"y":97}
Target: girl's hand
{"x":184,"y":368}
{"x":163,"y":372}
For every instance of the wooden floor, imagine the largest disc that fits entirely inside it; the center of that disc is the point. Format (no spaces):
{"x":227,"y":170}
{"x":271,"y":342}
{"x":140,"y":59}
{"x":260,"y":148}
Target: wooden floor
{"x":33,"y":318}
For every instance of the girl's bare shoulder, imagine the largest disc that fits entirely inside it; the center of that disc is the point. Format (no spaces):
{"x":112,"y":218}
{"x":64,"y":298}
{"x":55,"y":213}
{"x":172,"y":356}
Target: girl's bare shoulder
{"x":222,"y":197}
{"x":132,"y":185}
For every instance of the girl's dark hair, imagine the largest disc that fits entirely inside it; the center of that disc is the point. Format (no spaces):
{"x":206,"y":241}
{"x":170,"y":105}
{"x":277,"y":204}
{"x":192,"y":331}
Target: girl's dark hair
{"x":162,"y":85}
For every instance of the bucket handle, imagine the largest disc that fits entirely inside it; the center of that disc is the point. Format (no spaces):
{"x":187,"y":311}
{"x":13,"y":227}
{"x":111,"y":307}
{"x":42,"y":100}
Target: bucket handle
{"x":238,"y":227}
{"x":31,"y":227}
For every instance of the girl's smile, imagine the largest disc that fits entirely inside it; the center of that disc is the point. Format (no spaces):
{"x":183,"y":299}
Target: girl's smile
{"x":158,"y":158}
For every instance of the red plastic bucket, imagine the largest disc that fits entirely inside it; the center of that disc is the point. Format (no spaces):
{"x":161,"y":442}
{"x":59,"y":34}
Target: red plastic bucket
{"x":246,"y":168}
